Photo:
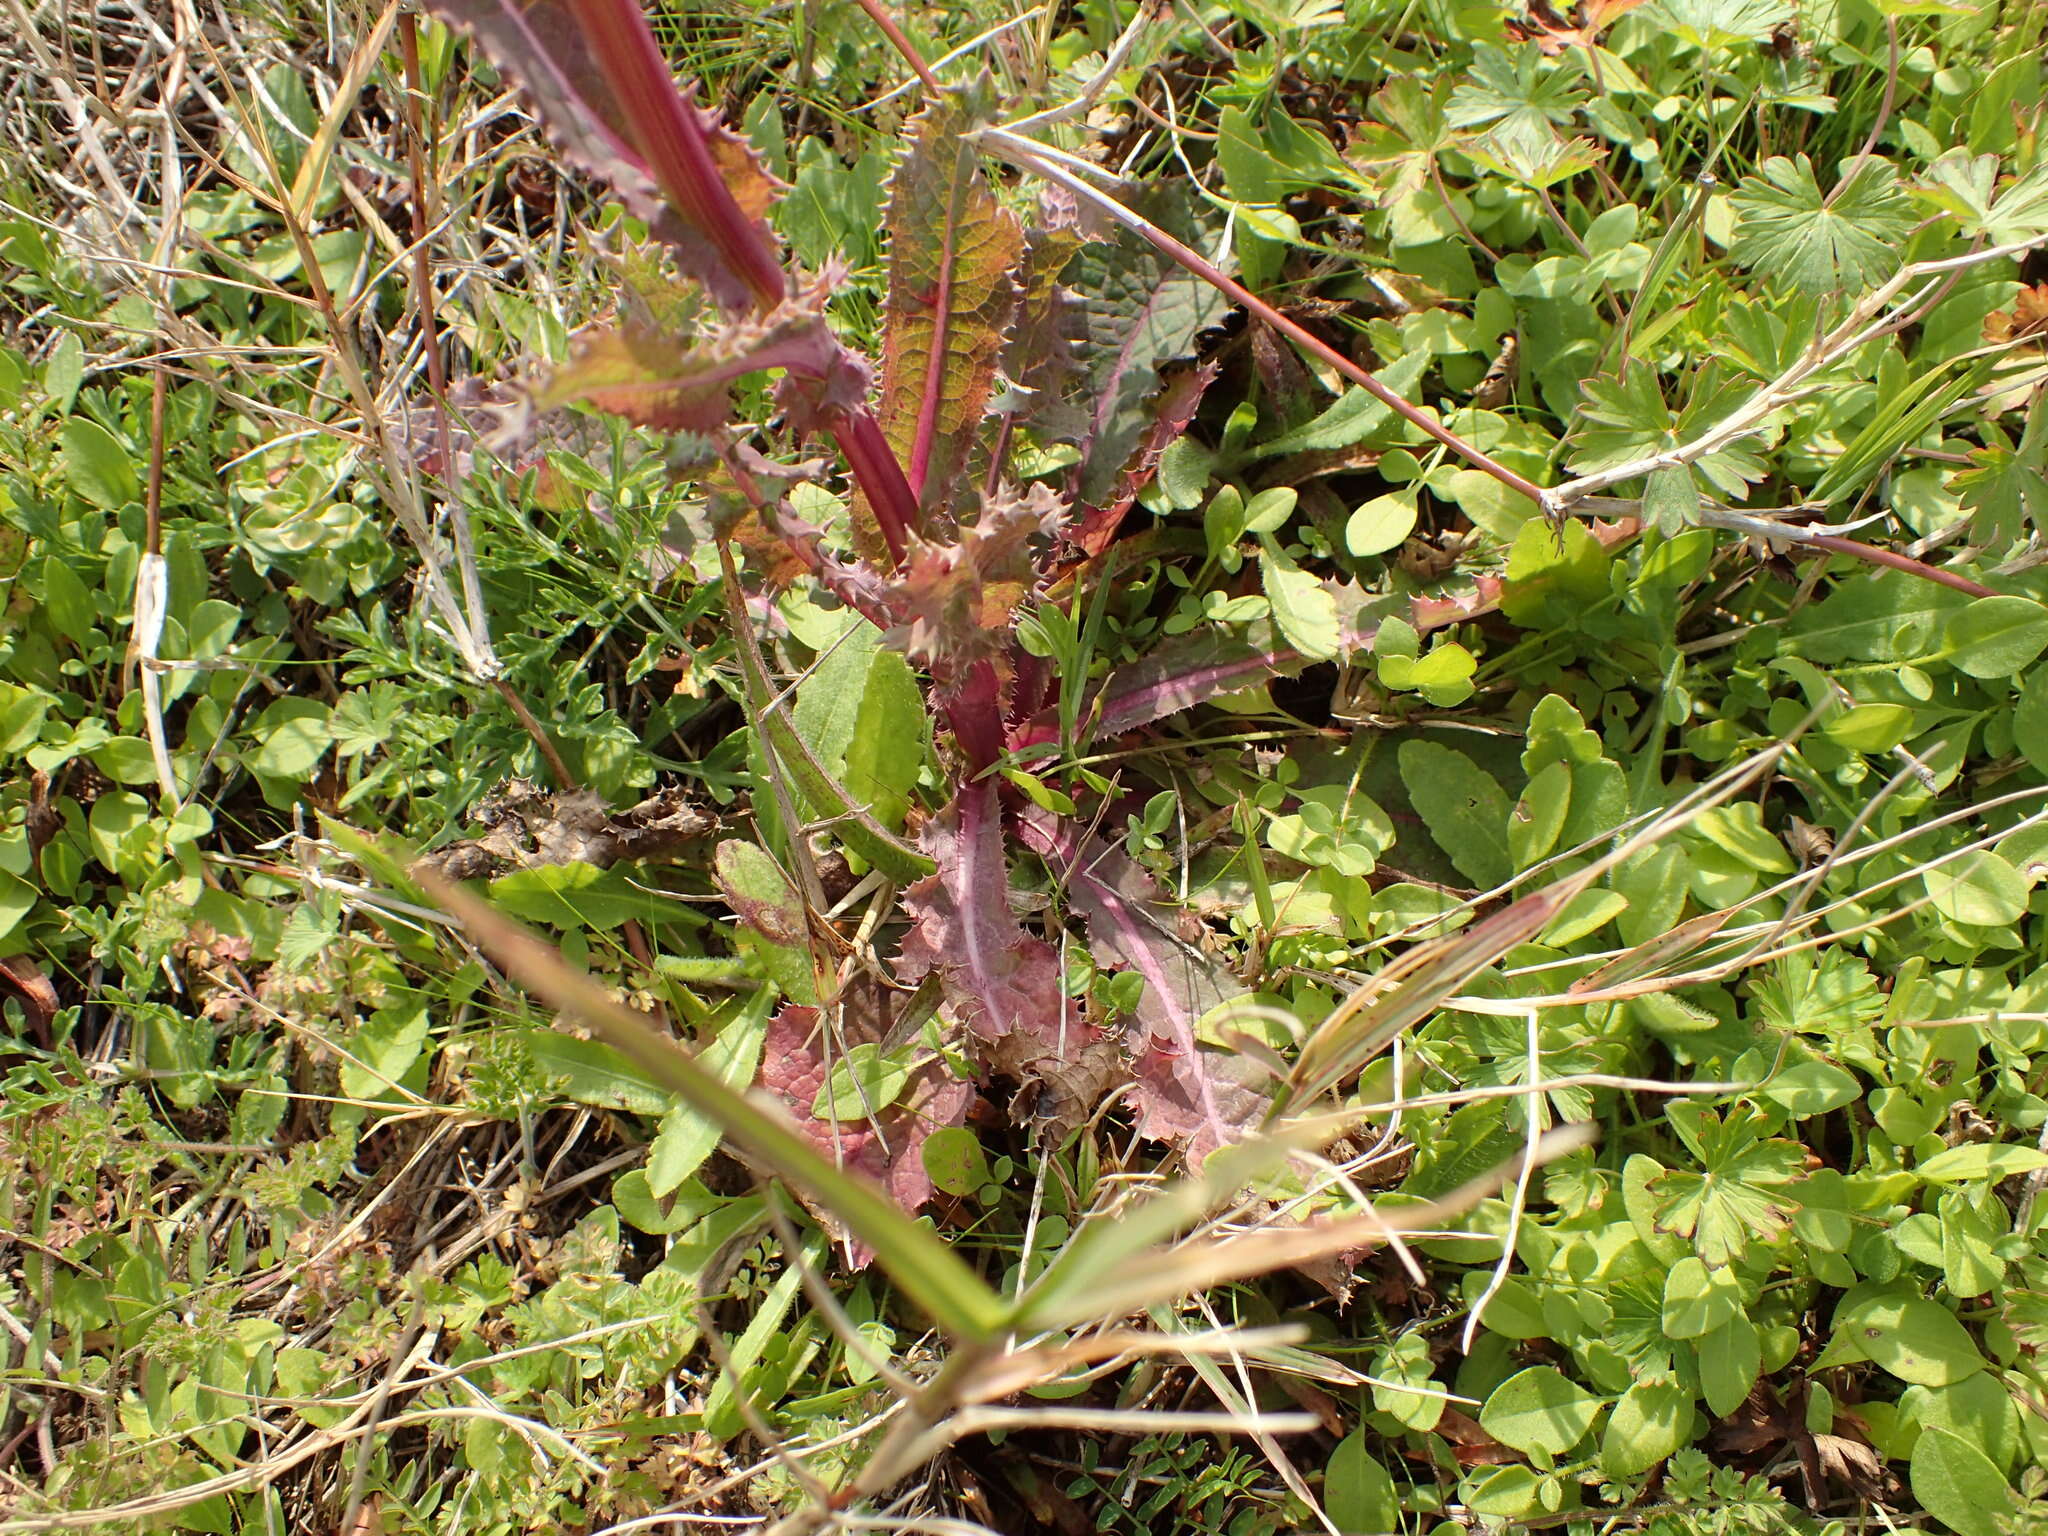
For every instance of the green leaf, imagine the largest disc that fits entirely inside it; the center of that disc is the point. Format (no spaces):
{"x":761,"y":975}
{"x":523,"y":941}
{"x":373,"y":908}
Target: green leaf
{"x":1358,"y":1493}
{"x":1539,"y":815}
{"x":887,"y":750}
{"x":1540,"y":1411}
{"x":1965,"y":187}
{"x":1464,"y":808}
{"x":688,"y":1136}
{"x":1978,"y":888}
{"x":954,"y":1161}
{"x":1554,"y":574}
{"x":97,"y":464}
{"x":596,"y":1074}
{"x":1303,"y":612}
{"x":1381,"y":524}
{"x":1817,"y":242}
{"x":1915,"y":1339}
{"x":1996,"y":636}
{"x":1809,"y":1088}
{"x":292,"y":736}
{"x":377,"y":1056}
{"x":1697,"y":1300}
{"x":581,"y":896}
{"x":863,"y":1082}
{"x":1870,"y":727}
{"x":1738,"y":829}
{"x":66,"y":601}
{"x":1269,"y":510}
{"x":1737,"y":1196}
{"x":1357,"y":415}
{"x":1959,"y":1485}
{"x":1653,"y":1419}
{"x":1730,"y":1359}
{"x":1979,"y":1162}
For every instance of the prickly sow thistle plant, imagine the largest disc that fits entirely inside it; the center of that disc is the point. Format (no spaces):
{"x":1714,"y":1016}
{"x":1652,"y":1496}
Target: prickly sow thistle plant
{"x":946,"y":554}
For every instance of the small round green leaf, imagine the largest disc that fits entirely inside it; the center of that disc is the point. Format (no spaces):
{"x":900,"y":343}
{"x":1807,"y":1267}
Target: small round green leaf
{"x":1358,"y":1493}
{"x":1539,"y":1409}
{"x":1381,"y":524}
{"x":1653,"y":1419}
{"x":953,"y":1160}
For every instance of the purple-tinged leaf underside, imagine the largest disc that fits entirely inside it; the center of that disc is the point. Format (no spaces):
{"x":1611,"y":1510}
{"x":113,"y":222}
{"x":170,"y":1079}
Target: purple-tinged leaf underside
{"x":1195,"y":1097}
{"x":1185,"y":672}
{"x":1142,"y":311}
{"x":797,"y":1058}
{"x":999,"y":980}
{"x":594,"y":75}
{"x":952,"y":250}
{"x":1170,"y":413}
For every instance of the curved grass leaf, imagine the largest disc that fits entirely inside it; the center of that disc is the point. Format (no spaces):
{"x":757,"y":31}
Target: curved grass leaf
{"x":921,"y":1263}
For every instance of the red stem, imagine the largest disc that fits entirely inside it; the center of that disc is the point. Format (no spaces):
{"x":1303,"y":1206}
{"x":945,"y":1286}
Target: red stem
{"x":876,"y":471}
{"x":1835,"y":544}
{"x":675,"y":146}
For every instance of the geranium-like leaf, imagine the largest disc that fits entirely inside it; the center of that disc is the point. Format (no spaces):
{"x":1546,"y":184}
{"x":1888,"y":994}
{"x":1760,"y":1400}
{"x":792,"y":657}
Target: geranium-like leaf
{"x":952,"y":249}
{"x":999,"y":980}
{"x":1820,"y":242}
{"x":806,"y":1062}
{"x":1188,"y":1094}
{"x":956,"y":601}
{"x":596,"y":78}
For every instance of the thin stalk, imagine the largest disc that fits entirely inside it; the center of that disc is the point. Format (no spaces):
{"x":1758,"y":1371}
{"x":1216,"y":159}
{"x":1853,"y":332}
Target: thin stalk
{"x":1030,"y":156}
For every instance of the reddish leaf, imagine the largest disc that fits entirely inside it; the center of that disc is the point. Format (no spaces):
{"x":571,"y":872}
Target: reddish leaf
{"x":1041,"y":359}
{"x":666,"y":373}
{"x":796,"y":1062}
{"x":596,"y":78}
{"x":23,"y":980}
{"x":1193,"y":1096}
{"x":1171,"y":413}
{"x":956,"y":603}
{"x":952,"y":249}
{"x":999,"y":980}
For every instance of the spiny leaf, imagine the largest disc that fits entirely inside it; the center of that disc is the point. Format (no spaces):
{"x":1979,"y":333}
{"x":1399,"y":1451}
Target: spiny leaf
{"x":1171,"y":412}
{"x":956,"y":602}
{"x":1041,"y":359}
{"x":951,"y":295}
{"x":879,"y":1112}
{"x":1142,"y":311}
{"x":998,"y":979}
{"x":595,"y":77}
{"x":1189,"y":1095}
{"x":676,"y":381}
